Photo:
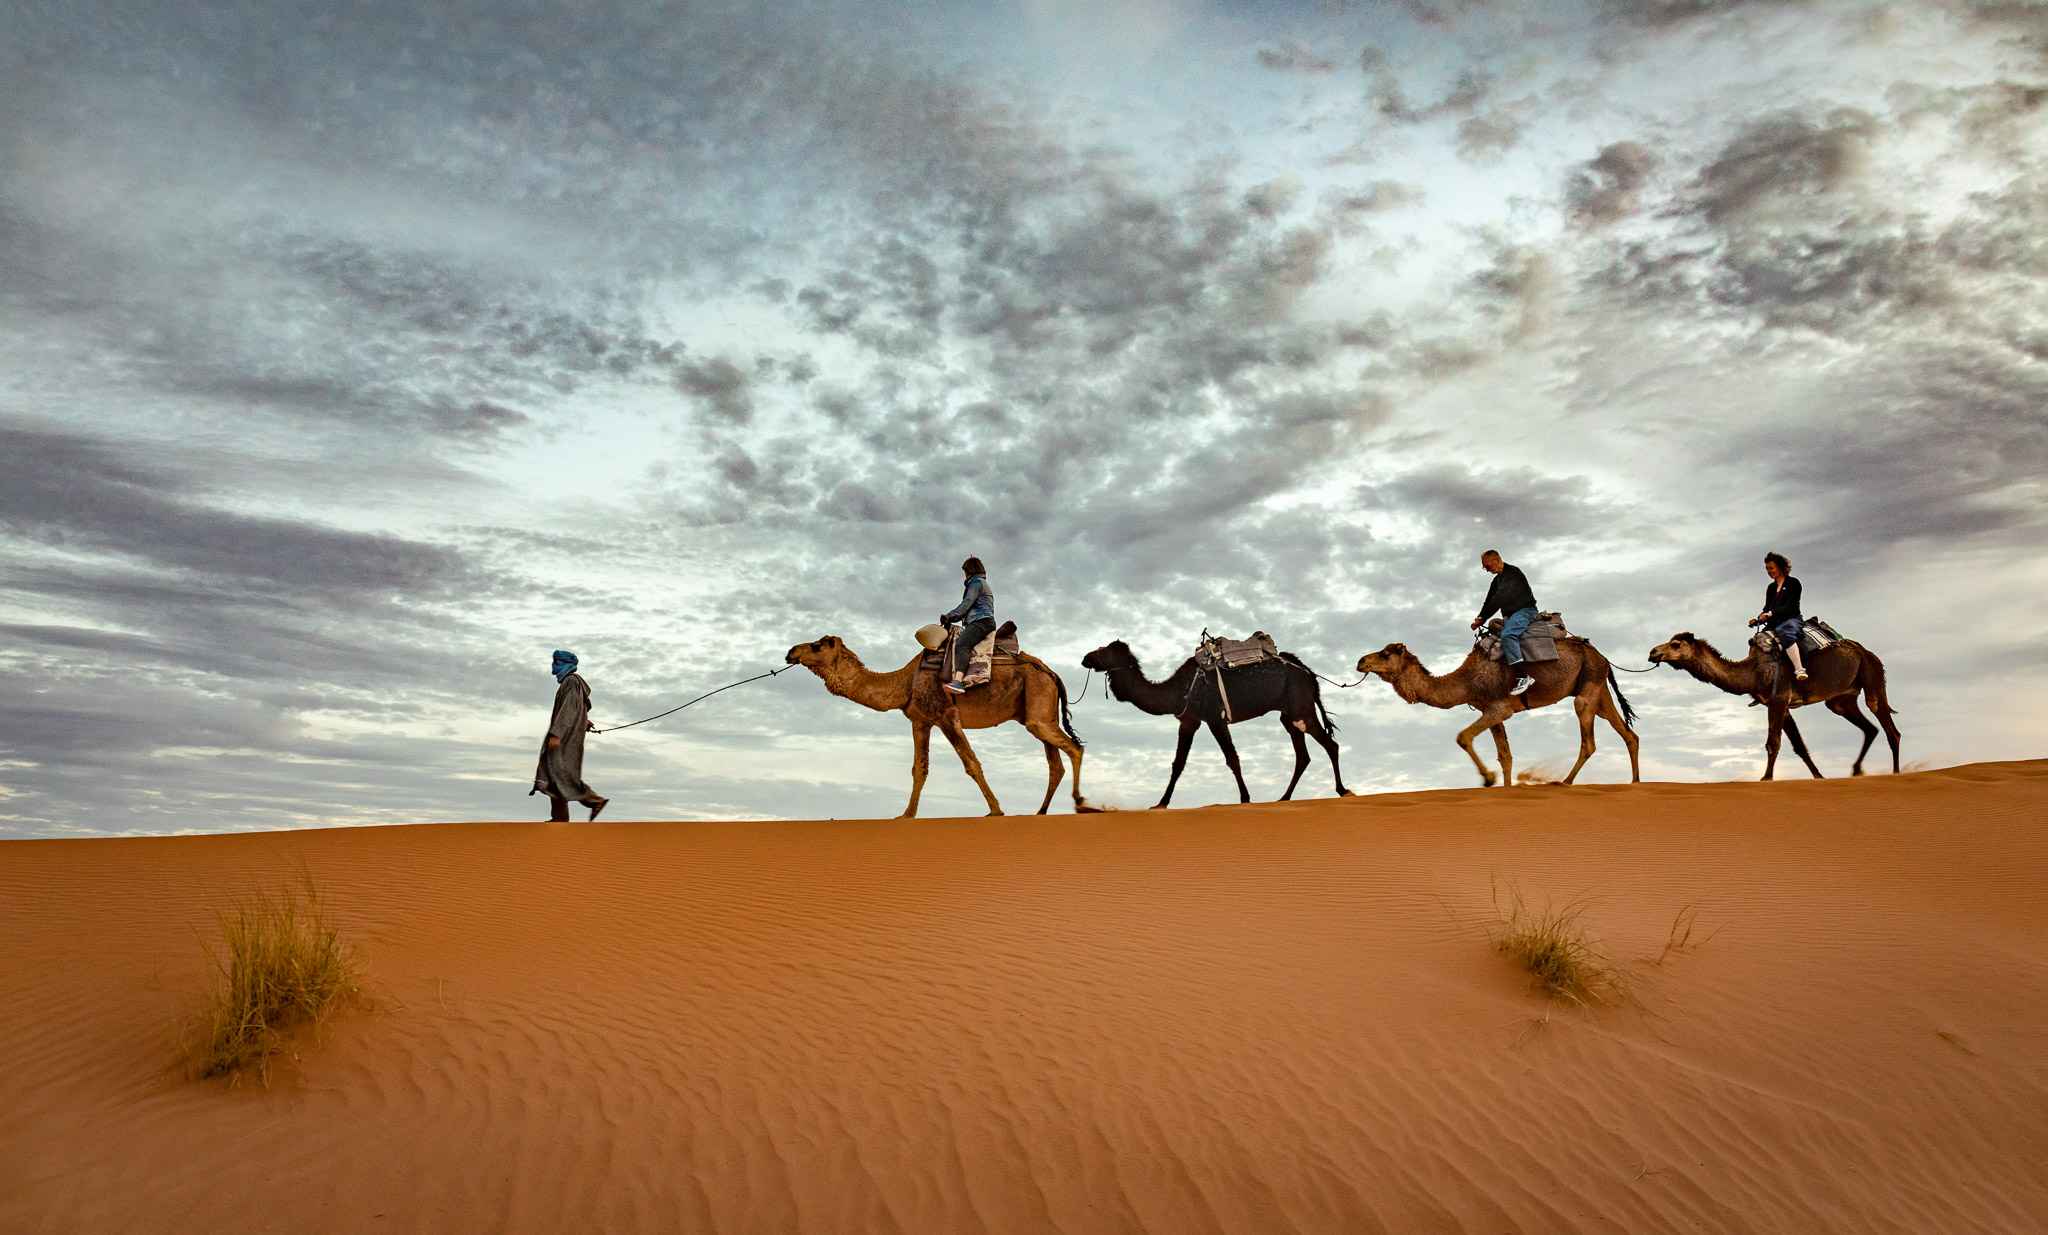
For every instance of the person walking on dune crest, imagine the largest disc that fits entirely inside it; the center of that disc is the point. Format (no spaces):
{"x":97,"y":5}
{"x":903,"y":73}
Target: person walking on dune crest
{"x":560,"y":772}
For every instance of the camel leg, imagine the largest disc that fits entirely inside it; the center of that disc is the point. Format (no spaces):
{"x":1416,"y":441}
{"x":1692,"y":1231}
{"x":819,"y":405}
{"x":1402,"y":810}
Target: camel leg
{"x":1300,"y":757}
{"x":1328,"y":742}
{"x":1188,"y":725}
{"x":1799,"y":745}
{"x":1628,"y":735}
{"x":1778,"y":716}
{"x":1506,"y":755}
{"x":1493,"y":715}
{"x":1845,"y":707}
{"x":920,"y":764}
{"x":1221,"y":729}
{"x":1056,"y":741}
{"x":1881,"y":708}
{"x":1054,"y":771}
{"x":971,"y":762}
{"x":1588,"y":709}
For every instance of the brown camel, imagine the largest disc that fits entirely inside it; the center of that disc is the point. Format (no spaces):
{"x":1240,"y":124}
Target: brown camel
{"x":1580,"y":673}
{"x":1025,"y":690}
{"x":1834,"y":677}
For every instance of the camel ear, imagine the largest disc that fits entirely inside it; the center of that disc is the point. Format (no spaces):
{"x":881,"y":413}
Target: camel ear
{"x":1394,"y":649}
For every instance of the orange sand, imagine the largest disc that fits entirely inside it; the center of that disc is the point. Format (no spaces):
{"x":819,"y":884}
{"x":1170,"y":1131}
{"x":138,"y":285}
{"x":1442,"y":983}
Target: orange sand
{"x":1256,"y":1019}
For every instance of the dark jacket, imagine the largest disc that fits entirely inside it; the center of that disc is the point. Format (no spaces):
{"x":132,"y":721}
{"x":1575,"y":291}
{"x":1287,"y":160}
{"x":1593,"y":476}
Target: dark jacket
{"x":978,"y":603}
{"x":1781,"y":600}
{"x":1509,"y":594}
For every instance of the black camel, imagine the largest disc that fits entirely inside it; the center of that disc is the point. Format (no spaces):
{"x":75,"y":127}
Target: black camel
{"x":1254,"y":690}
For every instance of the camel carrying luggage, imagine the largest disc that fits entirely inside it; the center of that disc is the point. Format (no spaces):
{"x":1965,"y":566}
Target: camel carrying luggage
{"x":1539,"y":642}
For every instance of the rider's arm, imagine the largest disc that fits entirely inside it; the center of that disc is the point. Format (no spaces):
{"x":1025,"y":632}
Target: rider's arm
{"x":1492,"y":601}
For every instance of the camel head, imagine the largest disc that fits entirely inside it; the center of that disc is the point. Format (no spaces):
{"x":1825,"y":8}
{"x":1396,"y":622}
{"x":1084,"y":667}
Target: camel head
{"x":1115,"y":655}
{"x":1682,"y":648}
{"x":818,"y":656}
{"x":1388,"y":662}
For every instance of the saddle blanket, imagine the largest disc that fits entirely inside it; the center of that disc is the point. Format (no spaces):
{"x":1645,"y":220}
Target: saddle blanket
{"x":981,"y":661}
{"x":1213,"y":653}
{"x":1539,"y":642}
{"x":1814,"y":636}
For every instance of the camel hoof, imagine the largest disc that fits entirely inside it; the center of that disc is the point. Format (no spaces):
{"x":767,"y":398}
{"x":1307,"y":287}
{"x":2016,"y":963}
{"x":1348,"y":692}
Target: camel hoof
{"x":1157,"y":806}
{"x":1346,"y":793}
{"x":1486,"y":781}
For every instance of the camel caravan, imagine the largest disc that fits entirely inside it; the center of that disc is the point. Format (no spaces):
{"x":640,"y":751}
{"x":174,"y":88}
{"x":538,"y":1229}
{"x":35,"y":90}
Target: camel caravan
{"x":970,"y":674}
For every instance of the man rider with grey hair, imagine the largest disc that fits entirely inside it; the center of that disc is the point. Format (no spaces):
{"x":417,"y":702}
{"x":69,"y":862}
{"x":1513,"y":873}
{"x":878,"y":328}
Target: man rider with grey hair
{"x":1512,"y":598}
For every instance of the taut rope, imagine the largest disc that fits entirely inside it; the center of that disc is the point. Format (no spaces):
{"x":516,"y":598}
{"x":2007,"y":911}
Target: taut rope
{"x":699,"y":699}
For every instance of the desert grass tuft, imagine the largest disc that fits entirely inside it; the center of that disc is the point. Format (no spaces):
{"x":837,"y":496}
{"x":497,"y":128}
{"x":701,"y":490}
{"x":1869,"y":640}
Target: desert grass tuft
{"x":1681,"y":939}
{"x":279,"y":966}
{"x":1552,"y":946}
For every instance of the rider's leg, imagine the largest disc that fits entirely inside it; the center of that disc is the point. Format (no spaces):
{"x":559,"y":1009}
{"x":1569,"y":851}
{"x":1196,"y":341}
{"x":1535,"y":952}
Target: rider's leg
{"x":1511,"y":629}
{"x":1789,"y":632}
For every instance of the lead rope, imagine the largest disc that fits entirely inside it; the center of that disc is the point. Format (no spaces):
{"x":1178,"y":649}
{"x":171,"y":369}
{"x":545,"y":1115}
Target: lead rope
{"x":699,"y":699}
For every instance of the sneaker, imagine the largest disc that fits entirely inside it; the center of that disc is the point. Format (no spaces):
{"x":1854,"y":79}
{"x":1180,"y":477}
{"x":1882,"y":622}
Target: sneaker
{"x":955,"y":687}
{"x":1522,"y":683}
{"x":1800,"y":674}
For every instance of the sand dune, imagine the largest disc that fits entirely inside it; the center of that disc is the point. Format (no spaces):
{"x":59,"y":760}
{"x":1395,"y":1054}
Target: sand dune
{"x":1247,"y":1019}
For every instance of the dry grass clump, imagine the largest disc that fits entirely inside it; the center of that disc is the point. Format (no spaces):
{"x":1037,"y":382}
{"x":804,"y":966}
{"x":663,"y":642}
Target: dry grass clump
{"x":280,"y":966}
{"x":1551,"y":945}
{"x":1681,"y":938}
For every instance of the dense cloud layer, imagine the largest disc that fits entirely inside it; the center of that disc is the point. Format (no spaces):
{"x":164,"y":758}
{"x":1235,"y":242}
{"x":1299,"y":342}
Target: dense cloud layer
{"x":356,"y":360}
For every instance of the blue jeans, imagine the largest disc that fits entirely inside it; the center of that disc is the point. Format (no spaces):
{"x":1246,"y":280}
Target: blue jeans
{"x":1789,"y":630}
{"x":1511,"y":628}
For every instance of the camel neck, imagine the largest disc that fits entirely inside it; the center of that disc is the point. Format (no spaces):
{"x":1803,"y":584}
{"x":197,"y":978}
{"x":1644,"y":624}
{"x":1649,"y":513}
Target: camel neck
{"x":1417,"y":684}
{"x":848,"y":678}
{"x":1737,"y":677}
{"x":1157,"y":698}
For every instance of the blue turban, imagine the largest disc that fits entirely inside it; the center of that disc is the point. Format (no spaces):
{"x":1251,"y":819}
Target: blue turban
{"x":565,"y":664}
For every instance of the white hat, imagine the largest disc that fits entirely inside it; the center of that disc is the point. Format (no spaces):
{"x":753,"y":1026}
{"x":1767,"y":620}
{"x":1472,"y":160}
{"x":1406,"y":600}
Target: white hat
{"x":933,"y":636}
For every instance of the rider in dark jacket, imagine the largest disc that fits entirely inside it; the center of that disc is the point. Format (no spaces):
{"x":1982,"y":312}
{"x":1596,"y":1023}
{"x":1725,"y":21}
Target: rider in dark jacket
{"x":1781,"y":609}
{"x":978,"y":606}
{"x":1512,"y":597}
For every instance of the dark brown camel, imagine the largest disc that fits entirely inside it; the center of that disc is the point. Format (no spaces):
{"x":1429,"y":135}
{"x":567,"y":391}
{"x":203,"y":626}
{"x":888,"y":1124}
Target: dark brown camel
{"x":1835,"y":676}
{"x":1580,"y":673}
{"x":1286,"y":685}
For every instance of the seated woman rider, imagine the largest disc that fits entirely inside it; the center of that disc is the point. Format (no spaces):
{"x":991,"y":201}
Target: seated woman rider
{"x":1781,"y":609}
{"x":978,"y":606}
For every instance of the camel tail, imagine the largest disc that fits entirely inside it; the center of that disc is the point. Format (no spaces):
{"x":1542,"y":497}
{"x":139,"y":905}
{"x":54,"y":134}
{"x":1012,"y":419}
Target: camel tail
{"x":1322,"y":709}
{"x":1066,"y":714}
{"x":1628,"y":714}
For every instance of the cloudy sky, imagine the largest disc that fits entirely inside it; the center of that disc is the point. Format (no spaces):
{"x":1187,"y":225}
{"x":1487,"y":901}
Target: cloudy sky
{"x":354,"y":357}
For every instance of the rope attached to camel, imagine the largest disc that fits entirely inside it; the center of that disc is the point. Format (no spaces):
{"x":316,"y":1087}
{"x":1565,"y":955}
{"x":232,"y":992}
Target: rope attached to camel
{"x":699,"y":699}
